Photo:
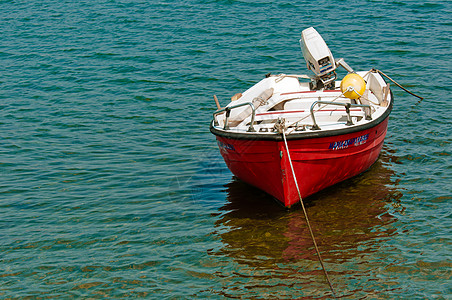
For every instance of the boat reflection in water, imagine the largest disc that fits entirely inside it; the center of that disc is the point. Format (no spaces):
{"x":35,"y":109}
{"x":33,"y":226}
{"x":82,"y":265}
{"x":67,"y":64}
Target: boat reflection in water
{"x":350,"y":221}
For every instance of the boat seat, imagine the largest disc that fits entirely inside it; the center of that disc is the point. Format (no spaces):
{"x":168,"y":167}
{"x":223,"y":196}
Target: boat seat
{"x":306,"y":103}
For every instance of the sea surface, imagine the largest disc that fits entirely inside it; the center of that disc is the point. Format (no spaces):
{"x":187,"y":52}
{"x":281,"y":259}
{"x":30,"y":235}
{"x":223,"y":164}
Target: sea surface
{"x":112,"y":186}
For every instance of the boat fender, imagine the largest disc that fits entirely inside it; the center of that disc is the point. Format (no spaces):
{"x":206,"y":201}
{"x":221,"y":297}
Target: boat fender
{"x":353,"y":86}
{"x":261,"y":99}
{"x":236,"y":97}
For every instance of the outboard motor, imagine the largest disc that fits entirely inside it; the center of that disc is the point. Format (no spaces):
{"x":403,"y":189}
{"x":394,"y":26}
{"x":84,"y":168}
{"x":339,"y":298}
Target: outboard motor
{"x":320,"y":60}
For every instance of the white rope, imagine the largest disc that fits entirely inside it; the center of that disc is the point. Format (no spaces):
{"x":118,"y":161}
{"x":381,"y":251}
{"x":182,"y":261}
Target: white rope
{"x":306,"y":215}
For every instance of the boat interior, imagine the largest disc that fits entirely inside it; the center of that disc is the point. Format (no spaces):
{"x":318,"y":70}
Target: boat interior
{"x":288,"y":102}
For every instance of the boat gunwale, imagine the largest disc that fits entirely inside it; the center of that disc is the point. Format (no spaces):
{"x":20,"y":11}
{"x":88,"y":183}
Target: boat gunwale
{"x":304,"y":135}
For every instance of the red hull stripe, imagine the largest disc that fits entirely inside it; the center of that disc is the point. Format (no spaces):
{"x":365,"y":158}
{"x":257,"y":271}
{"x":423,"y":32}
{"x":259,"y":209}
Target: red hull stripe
{"x":306,"y":92}
{"x":300,"y":111}
{"x":280,"y":112}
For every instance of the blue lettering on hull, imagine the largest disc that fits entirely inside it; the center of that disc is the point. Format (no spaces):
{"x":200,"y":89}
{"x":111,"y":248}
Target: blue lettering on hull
{"x":225,"y":146}
{"x":357,"y":141}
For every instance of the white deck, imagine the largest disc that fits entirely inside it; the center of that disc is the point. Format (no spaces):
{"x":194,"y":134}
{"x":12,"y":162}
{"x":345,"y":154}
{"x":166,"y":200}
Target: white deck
{"x":287,"y":98}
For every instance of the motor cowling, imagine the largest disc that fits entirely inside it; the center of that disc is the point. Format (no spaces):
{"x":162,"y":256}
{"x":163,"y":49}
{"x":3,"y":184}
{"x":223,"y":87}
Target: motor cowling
{"x":320,"y":60}
{"x":318,"y":56}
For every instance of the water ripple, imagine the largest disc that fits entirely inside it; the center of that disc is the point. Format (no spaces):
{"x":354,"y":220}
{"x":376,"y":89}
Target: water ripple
{"x":112,"y":186}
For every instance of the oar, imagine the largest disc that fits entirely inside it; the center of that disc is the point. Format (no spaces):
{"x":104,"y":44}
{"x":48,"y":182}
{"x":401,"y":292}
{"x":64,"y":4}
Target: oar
{"x":216,"y":101}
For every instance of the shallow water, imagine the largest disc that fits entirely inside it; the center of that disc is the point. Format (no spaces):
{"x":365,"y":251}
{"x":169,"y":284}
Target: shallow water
{"x":111,"y":184}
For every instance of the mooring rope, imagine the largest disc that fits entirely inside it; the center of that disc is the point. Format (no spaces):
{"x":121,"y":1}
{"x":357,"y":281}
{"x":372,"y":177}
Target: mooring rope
{"x":306,"y":215}
{"x":399,"y":85}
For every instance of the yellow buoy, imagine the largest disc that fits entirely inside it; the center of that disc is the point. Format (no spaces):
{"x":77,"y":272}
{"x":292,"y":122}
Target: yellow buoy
{"x":353,"y":86}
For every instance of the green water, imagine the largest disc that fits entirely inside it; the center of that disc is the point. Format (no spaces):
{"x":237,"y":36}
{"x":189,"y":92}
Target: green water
{"x":111,"y":185}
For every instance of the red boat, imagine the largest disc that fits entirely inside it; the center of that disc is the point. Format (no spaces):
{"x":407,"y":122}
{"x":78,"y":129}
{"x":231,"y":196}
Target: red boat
{"x":292,"y":138}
